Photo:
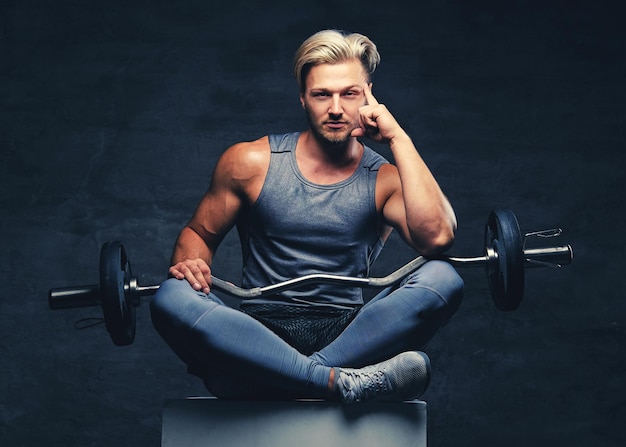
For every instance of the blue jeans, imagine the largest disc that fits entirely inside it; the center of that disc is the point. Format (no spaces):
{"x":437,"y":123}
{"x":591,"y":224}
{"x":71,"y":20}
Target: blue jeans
{"x":238,"y":357}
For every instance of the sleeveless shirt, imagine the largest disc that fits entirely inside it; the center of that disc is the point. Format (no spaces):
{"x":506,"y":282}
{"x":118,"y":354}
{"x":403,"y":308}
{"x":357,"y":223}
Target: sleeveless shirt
{"x":297,"y":228}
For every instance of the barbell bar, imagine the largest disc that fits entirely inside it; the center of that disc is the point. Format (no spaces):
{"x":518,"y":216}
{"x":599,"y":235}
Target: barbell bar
{"x":505,"y":259}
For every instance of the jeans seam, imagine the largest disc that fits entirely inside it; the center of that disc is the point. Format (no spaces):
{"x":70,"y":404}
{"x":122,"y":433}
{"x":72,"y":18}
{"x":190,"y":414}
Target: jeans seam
{"x":433,"y":291}
{"x":206,"y":312}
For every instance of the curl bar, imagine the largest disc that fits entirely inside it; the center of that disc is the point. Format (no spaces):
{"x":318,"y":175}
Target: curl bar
{"x":505,"y":260}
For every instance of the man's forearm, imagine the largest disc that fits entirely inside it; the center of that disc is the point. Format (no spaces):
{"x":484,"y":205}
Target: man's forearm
{"x":189,"y":245}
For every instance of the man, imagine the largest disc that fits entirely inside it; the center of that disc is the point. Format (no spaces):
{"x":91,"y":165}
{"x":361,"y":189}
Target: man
{"x":316,"y":201}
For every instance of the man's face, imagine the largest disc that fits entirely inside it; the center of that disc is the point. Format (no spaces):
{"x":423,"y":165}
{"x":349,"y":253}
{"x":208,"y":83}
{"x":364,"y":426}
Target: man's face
{"x":333,"y":95}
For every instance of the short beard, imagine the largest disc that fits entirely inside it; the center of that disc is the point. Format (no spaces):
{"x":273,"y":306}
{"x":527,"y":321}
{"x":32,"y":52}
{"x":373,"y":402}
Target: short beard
{"x":328,"y":139}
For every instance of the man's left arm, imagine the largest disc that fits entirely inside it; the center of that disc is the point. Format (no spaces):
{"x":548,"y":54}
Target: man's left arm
{"x":415,"y":204}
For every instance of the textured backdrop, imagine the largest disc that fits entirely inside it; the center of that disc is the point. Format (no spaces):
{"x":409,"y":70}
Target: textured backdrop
{"x":112,"y":115}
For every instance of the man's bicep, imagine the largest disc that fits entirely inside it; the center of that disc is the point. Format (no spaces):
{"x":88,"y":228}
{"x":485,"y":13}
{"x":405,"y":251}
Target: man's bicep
{"x":218,"y":209}
{"x":391,"y":201}
{"x":394,"y":215}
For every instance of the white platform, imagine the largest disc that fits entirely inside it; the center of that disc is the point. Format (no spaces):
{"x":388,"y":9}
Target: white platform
{"x":212,"y":422}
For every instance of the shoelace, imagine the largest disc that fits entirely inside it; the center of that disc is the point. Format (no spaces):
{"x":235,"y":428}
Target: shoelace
{"x":361,"y":386}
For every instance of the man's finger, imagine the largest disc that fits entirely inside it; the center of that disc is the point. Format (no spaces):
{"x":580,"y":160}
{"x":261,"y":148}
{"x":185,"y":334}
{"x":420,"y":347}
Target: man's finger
{"x":197,"y":283}
{"x":176,"y":273}
{"x":358,"y":132}
{"x":367,"y":89}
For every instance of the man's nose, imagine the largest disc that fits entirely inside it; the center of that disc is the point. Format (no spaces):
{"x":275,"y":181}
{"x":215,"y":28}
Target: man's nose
{"x":335,"y":106}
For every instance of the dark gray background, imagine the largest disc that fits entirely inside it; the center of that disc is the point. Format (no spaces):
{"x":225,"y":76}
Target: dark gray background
{"x":113,"y":114}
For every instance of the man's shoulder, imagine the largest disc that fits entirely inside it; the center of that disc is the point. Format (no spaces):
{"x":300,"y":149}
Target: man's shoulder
{"x":245,"y":148}
{"x":249,"y":152}
{"x":388,"y":178}
{"x":245,"y":160}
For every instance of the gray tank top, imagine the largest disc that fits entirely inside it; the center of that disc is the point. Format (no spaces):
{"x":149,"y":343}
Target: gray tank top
{"x":297,"y":228}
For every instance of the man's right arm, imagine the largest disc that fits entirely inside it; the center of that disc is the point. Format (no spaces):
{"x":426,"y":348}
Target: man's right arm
{"x":214,"y":217}
{"x":236,"y":181}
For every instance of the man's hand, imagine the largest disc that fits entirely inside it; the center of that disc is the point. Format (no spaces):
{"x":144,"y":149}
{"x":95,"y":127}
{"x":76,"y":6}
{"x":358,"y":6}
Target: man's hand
{"x":196,"y":271}
{"x":375,"y":120}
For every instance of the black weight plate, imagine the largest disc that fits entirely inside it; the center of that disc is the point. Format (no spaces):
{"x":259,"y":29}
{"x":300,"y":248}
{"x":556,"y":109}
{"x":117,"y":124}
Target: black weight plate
{"x":118,"y":310}
{"x":505,"y":270}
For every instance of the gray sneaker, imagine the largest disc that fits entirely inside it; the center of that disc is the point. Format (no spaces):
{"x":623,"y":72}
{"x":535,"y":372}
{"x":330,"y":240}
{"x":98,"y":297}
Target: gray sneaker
{"x":403,"y":377}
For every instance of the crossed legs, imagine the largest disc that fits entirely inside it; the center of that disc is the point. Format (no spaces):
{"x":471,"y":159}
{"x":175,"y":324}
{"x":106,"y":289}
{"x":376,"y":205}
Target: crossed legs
{"x":238,"y":357}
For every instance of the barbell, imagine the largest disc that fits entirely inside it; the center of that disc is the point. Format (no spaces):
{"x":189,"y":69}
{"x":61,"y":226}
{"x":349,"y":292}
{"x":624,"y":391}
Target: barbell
{"x":505,"y":259}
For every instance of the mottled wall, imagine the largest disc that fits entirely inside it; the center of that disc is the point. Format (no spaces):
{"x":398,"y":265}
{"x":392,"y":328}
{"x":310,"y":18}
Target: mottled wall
{"x":112,"y":115}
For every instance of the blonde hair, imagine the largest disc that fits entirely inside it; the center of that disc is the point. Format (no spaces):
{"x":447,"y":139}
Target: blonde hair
{"x":332,"y":47}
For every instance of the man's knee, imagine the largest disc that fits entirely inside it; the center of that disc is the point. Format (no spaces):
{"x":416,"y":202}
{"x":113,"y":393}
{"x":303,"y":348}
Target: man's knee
{"x":162,"y":306}
{"x":443,"y":280}
{"x":164,"y":300}
{"x":176,"y":305}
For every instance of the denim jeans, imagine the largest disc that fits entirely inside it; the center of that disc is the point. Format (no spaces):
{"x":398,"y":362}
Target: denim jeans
{"x":238,"y":357}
